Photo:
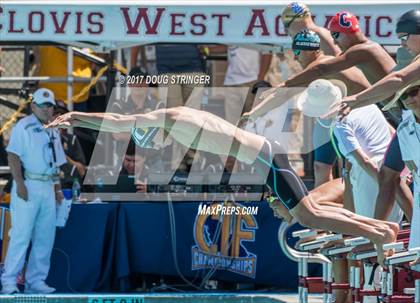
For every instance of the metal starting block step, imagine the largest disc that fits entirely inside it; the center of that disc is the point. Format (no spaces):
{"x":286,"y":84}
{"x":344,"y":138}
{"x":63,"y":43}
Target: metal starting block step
{"x":350,"y":244}
{"x":402,"y":257}
{"x":398,"y":246}
{"x":318,"y":242}
{"x":363,"y":255}
{"x":356,"y":241}
{"x":409,"y":291}
{"x":405,"y":225}
{"x":332,"y":251}
{"x":358,"y":256}
{"x":304,"y":233}
{"x":415,"y":250}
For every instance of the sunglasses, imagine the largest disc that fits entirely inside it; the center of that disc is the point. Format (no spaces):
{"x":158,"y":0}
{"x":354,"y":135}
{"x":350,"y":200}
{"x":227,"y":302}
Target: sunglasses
{"x":296,"y":52}
{"x":404,"y":38}
{"x":45,"y":105}
{"x":335,"y":35}
{"x":410,"y":93}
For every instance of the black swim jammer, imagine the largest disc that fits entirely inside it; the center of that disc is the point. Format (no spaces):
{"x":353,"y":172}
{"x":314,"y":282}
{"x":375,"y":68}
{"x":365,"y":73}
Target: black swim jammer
{"x":282,"y":179}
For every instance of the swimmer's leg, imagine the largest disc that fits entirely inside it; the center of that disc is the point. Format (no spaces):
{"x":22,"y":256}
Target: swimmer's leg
{"x":292,"y":192}
{"x":342,"y":222}
{"x":330,"y":193}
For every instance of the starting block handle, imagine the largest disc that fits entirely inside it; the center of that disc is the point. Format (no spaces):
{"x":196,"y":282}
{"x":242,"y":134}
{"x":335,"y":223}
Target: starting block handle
{"x":397,"y":246}
{"x":356,"y":241}
{"x":304,"y":233}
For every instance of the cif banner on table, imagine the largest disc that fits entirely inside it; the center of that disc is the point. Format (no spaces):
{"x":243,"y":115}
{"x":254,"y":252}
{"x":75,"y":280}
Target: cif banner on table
{"x":221,"y":233}
{"x":235,"y":22}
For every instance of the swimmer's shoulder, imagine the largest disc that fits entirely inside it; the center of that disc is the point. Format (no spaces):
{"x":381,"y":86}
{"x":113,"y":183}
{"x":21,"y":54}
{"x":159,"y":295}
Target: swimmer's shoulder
{"x":365,"y":47}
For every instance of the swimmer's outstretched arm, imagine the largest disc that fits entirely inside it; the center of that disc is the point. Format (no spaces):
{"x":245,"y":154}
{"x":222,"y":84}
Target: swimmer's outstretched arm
{"x":109,"y":122}
{"x":272,"y":98}
{"x":386,"y":87}
{"x":328,"y":67}
{"x":184,"y":124}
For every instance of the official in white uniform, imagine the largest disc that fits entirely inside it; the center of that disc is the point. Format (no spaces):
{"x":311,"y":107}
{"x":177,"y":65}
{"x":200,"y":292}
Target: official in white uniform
{"x":363,"y":137}
{"x":409,"y":138}
{"x":34,"y":155}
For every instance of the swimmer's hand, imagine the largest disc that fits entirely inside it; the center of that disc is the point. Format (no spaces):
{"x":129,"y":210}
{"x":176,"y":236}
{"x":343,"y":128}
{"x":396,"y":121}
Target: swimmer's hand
{"x":64,"y":121}
{"x":270,"y":93}
{"x":339,"y":110}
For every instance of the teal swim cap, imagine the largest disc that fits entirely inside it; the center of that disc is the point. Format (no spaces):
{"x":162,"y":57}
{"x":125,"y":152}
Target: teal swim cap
{"x":306,"y":40}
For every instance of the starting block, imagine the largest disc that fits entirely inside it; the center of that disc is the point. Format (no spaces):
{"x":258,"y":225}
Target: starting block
{"x":318,"y":242}
{"x":395,"y":265}
{"x":303,"y":258}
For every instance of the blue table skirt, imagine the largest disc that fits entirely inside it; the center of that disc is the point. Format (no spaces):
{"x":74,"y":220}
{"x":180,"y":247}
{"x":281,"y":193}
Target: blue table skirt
{"x":83,"y":255}
{"x":103,"y":244}
{"x":145,"y":246}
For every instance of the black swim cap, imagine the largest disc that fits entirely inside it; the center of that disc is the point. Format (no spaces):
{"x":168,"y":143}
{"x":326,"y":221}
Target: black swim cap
{"x":409,"y":22}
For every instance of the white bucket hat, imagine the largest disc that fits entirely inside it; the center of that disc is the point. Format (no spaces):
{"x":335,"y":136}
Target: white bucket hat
{"x":321,"y":94}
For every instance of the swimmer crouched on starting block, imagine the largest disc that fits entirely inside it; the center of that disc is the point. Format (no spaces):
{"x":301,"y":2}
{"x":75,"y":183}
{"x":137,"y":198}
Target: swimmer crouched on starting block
{"x":183,"y":123}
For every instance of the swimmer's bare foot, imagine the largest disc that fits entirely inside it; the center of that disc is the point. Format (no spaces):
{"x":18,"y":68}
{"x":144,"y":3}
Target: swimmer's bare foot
{"x":388,"y":236}
{"x":394,"y":226}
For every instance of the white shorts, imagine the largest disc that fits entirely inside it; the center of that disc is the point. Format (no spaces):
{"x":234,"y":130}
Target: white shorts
{"x":365,"y":192}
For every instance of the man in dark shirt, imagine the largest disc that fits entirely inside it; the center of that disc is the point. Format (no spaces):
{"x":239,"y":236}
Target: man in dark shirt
{"x":75,"y":168}
{"x":134,"y":169}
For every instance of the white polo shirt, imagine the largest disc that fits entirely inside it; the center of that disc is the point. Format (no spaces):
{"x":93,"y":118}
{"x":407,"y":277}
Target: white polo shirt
{"x":365,"y":128}
{"x":409,"y":138}
{"x":29,"y":140}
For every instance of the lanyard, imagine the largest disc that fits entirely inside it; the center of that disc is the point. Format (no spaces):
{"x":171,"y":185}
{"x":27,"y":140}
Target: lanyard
{"x":332,"y":139}
{"x":52,"y":147}
{"x":51,"y":138}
